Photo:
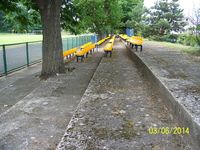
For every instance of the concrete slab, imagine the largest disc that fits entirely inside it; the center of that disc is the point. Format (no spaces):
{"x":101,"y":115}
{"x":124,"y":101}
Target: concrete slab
{"x":17,"y":85}
{"x":117,"y":110}
{"x":176,"y":76}
{"x":38,"y":120}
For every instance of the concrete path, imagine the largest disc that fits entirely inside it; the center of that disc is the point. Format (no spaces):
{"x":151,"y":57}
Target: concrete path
{"x":117,"y":110}
{"x":38,"y":121}
{"x":176,"y":76}
{"x":16,"y":86}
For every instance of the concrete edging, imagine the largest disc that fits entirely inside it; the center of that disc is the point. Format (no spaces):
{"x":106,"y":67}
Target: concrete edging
{"x":177,"y":109}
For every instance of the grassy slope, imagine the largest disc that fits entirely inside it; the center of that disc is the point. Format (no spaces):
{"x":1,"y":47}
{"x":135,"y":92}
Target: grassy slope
{"x":187,"y":49}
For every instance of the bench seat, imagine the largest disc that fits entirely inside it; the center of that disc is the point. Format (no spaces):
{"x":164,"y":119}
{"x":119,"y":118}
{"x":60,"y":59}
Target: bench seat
{"x":69,"y":53}
{"x":136,"y":41}
{"x":85,"y":45}
{"x":109,"y":47}
{"x":85,"y":51}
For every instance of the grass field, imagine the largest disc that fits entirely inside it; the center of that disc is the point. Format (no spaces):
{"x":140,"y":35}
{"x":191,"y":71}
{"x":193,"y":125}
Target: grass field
{"x":187,"y":49}
{"x":7,"y":38}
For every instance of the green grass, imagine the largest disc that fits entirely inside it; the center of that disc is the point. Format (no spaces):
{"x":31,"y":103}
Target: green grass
{"x":184,"y":48}
{"x":7,"y":38}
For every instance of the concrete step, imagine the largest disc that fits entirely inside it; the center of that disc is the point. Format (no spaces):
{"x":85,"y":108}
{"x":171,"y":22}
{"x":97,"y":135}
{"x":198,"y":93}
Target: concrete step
{"x":39,"y":119}
{"x":118,"y":111}
{"x":176,"y":76}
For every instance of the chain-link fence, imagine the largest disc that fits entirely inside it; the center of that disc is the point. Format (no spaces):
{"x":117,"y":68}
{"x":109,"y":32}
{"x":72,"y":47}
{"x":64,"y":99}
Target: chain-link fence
{"x":16,"y":56}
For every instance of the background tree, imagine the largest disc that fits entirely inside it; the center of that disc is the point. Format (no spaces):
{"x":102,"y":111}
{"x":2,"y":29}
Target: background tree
{"x":99,"y":16}
{"x":165,"y":17}
{"x":23,"y":20}
{"x":50,"y":17}
{"x":5,"y":26}
{"x":132,"y":11}
{"x":195,"y":21}
{"x":70,"y":18}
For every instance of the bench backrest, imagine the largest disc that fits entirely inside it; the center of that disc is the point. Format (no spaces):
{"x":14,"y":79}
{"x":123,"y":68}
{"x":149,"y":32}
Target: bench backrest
{"x":101,"y":41}
{"x":85,"y":45}
{"x":87,"y":49}
{"x":108,"y":47}
{"x":68,"y":52}
{"x":137,"y":40}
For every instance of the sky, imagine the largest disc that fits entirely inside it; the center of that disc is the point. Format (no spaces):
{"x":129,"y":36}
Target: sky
{"x":187,"y":5}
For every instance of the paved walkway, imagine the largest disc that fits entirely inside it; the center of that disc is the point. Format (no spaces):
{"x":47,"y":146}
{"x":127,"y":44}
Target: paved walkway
{"x":117,"y":110}
{"x":179,"y":73}
{"x":39,"y":119}
{"x":16,"y":86}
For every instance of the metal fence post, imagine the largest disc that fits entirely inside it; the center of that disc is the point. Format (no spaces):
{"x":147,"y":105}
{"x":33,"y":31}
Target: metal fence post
{"x":4,"y":60}
{"x":67,"y":43}
{"x":76,"y":42}
{"x":27,"y":54}
{"x":72,"y":42}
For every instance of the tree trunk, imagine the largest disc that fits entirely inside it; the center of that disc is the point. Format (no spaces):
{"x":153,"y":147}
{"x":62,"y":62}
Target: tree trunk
{"x":52,"y":53}
{"x":100,"y":35}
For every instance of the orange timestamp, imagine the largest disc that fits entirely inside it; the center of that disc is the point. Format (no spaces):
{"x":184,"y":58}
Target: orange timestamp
{"x":168,"y":130}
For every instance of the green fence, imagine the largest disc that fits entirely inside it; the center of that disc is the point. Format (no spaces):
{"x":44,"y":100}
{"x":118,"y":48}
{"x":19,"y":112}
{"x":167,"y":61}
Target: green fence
{"x":16,"y":56}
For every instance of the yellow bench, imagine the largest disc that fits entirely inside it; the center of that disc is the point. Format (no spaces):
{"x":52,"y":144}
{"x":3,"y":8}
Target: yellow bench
{"x":100,"y":42}
{"x":85,"y":45}
{"x":111,"y":41}
{"x":85,"y":51}
{"x":136,"y":41}
{"x":109,"y":47}
{"x":69,"y":53}
{"x":124,"y":36}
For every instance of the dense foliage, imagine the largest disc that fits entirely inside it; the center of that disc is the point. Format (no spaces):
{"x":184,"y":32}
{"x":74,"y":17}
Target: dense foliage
{"x":164,"y":18}
{"x":132,"y":11}
{"x":77,"y":16}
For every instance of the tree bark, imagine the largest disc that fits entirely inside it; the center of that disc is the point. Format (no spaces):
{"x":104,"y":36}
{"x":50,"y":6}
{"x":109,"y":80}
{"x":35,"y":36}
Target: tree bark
{"x":52,"y":53}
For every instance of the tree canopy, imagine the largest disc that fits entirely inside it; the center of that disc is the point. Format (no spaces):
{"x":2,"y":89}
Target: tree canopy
{"x":97,"y":16}
{"x":165,"y":17}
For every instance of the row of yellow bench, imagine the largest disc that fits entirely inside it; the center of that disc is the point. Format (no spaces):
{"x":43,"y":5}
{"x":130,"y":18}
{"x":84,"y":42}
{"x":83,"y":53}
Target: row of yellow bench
{"x":109,"y":47}
{"x":84,"y":50}
{"x":133,"y":41}
{"x":103,"y":40}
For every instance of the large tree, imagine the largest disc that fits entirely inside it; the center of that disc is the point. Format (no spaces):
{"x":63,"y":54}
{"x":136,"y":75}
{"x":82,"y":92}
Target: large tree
{"x":52,"y":42}
{"x":132,"y":14}
{"x":164,"y":17}
{"x":50,"y":11}
{"x":99,"y":16}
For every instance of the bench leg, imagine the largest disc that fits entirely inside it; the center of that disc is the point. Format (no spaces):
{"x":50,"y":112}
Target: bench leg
{"x":106,"y":53}
{"x":136,"y":47}
{"x":110,"y":53}
{"x":82,"y":58}
{"x":141,"y":48}
{"x":77,"y":58}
